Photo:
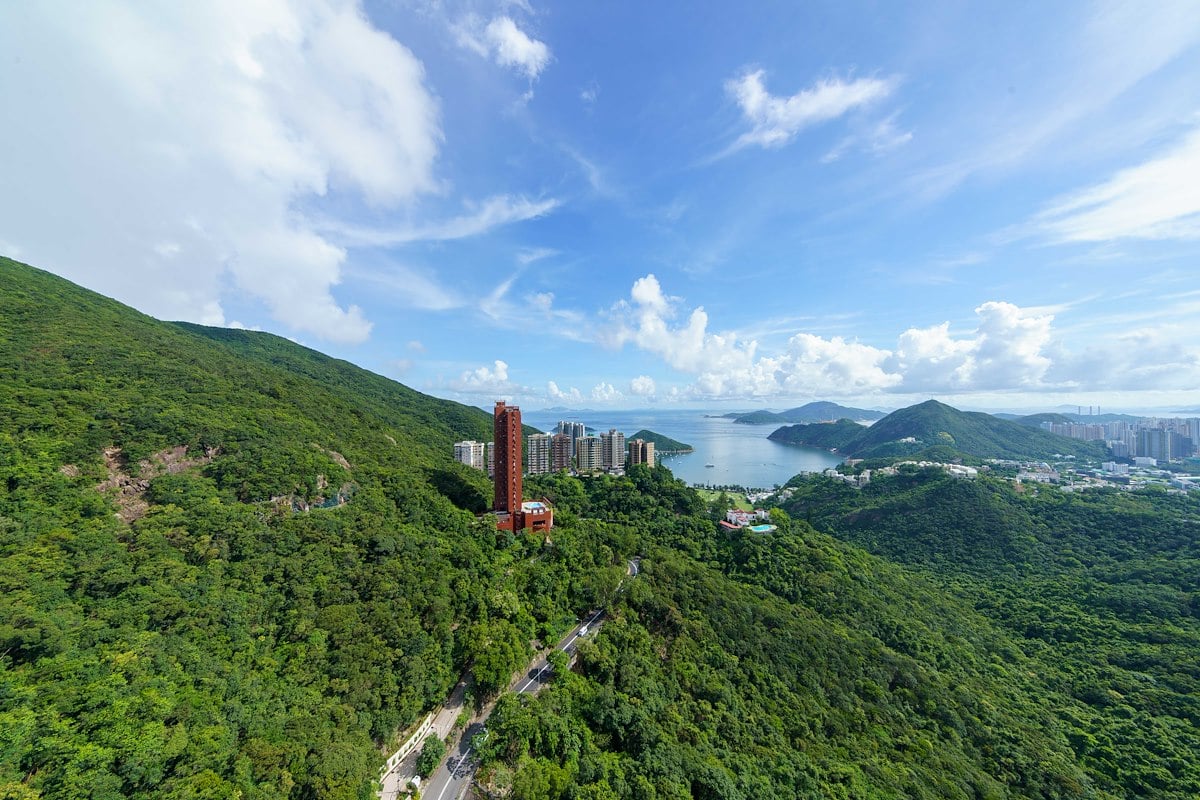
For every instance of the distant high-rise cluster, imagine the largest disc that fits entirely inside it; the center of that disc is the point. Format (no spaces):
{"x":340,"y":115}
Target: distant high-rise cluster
{"x":569,"y":448}
{"x":1161,"y":439}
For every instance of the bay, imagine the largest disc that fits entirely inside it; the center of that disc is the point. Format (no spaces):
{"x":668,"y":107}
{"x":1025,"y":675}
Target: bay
{"x":741,"y":455}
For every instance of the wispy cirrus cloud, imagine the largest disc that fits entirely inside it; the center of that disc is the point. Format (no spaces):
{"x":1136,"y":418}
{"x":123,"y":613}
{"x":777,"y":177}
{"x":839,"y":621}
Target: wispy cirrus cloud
{"x":775,"y":120}
{"x":1157,"y":199}
{"x":495,"y":212}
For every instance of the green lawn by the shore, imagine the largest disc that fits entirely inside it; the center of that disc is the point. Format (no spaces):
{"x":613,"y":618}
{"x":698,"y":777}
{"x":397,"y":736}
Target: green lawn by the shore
{"x":736,"y":499}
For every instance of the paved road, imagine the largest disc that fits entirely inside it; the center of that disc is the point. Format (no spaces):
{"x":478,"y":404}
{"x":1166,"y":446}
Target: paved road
{"x":453,"y":777}
{"x":395,"y":783}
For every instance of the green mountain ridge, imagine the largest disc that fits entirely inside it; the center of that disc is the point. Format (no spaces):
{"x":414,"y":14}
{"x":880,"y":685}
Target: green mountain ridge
{"x":818,"y":411}
{"x":216,"y":640}
{"x":931,"y":424}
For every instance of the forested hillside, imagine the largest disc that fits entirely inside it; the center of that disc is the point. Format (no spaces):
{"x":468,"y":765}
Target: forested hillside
{"x":273,"y":601}
{"x":748,"y":666}
{"x":233,"y":567}
{"x":662,"y":444}
{"x":932,"y":427}
{"x":1101,"y":589}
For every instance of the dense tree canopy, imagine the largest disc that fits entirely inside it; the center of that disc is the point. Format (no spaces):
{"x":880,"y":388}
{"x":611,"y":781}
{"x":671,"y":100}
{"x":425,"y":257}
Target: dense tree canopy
{"x":233,"y":567}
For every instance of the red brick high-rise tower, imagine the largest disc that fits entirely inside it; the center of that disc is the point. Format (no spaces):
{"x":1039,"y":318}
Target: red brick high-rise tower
{"x":507,"y":438}
{"x":511,"y":513}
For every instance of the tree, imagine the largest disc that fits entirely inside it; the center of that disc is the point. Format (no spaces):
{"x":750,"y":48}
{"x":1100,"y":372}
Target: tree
{"x":432,"y":753}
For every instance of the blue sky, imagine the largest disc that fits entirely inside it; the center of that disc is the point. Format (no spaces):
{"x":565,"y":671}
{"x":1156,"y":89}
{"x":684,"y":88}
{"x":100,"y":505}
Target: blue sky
{"x":632,"y":204}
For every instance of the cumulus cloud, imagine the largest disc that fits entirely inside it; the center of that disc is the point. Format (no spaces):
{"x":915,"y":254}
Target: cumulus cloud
{"x":175,"y":141}
{"x":571,"y":395}
{"x":646,"y":320}
{"x":1009,"y":348}
{"x":505,"y":43}
{"x":605,"y":393}
{"x":775,"y":120}
{"x":1158,"y":199}
{"x":486,"y":381}
{"x":642,"y":386}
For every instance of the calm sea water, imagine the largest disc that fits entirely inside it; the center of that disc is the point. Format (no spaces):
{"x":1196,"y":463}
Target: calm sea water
{"x":739,"y":454}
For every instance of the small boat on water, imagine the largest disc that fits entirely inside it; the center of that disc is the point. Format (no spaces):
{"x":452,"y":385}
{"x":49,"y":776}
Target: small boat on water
{"x":709,"y":466}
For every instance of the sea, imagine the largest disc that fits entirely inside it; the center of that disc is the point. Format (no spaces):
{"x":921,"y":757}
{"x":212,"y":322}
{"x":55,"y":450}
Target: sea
{"x":739,"y":455}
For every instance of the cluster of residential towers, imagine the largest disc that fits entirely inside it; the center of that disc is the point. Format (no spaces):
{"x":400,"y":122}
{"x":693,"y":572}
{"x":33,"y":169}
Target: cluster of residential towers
{"x":569,"y":448}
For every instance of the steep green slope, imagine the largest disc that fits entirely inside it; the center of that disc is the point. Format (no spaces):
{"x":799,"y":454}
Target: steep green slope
{"x":830,"y":435}
{"x":785,"y":665}
{"x":227,"y":634}
{"x":932,"y":424}
{"x":296,"y":573}
{"x":1099,"y":588}
{"x":662,"y":444}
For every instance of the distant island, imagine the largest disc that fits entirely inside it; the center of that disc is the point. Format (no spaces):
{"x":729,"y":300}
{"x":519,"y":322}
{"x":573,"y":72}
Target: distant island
{"x":662,"y":444}
{"x":819,"y":411}
{"x":934,"y":426}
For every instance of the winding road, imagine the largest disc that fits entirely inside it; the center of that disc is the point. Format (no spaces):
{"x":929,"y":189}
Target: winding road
{"x":453,"y":776}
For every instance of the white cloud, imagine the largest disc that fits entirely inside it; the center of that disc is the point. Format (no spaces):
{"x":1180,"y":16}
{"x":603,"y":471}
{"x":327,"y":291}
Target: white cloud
{"x":879,"y":137}
{"x":1159,"y":199}
{"x":415,"y":346}
{"x":504,"y":42}
{"x":494,"y":305}
{"x":174,"y":142}
{"x":571,"y":395}
{"x":410,"y":287}
{"x":486,"y":381}
{"x":513,"y":48}
{"x":775,"y":120}
{"x":491,"y":213}
{"x":1009,"y":349}
{"x":528,"y":255}
{"x":1077,"y":108}
{"x":567,"y":323}
{"x":642,"y":386}
{"x":605,"y":393}
{"x":646,"y":321}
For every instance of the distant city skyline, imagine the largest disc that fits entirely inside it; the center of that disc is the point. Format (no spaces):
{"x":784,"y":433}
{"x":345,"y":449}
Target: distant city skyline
{"x":624,"y":205}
